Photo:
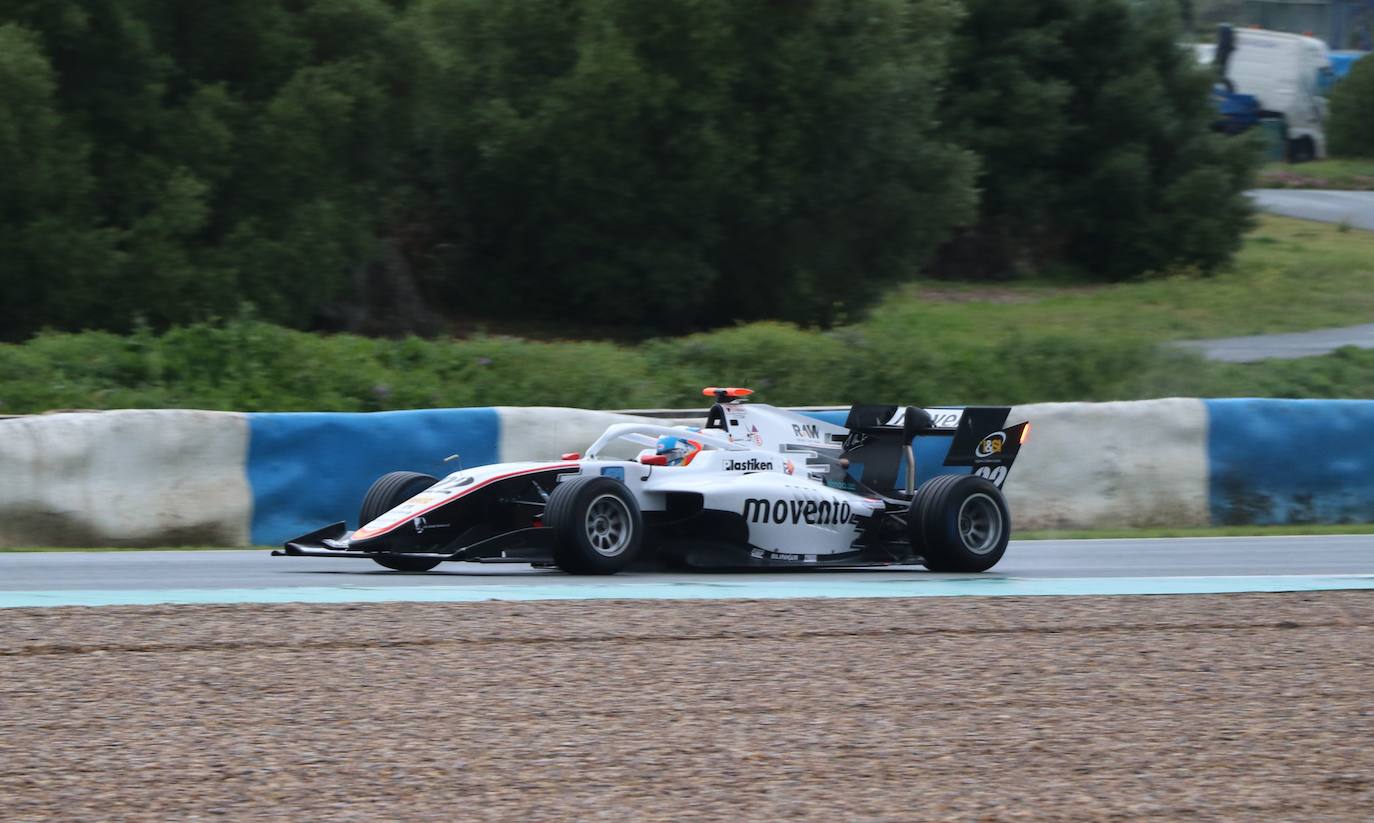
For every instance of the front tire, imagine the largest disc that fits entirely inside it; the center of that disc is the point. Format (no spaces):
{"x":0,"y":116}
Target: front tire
{"x":388,"y":492}
{"x":959,"y":523}
{"x":597,"y":525}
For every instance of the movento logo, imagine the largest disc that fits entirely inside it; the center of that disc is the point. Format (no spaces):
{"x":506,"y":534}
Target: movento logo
{"x":810,"y":512}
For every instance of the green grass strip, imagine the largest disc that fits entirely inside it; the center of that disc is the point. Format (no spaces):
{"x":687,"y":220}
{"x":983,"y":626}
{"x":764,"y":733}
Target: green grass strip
{"x":1348,"y":173}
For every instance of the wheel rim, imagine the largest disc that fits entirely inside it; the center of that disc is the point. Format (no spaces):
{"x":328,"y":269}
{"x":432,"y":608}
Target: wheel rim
{"x":980,"y":523}
{"x":608,"y":525}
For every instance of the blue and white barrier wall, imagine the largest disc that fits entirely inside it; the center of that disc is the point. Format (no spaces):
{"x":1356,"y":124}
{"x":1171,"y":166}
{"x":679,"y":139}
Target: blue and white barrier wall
{"x":165,"y":478}
{"x":170,"y":478}
{"x":1099,"y":465}
{"x":1291,"y":461}
{"x":309,"y":470}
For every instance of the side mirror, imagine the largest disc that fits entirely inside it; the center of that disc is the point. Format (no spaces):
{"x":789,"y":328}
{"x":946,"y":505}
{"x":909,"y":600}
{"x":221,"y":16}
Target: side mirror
{"x":571,"y":456}
{"x":654,"y":459}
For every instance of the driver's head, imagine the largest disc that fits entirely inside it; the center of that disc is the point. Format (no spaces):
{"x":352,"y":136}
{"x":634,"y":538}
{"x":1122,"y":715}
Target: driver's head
{"x":678,"y":450}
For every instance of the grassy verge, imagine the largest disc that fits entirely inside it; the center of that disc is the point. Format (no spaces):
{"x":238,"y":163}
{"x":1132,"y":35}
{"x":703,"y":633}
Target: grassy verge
{"x":1291,"y":275}
{"x":928,"y":342}
{"x":1353,"y":174}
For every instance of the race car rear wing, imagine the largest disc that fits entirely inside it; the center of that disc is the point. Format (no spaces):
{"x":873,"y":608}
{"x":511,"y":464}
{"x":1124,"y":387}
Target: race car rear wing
{"x":880,"y":437}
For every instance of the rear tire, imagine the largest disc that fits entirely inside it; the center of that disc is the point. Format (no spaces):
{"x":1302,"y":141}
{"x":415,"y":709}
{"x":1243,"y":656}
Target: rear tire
{"x":388,"y":492}
{"x":959,"y":523}
{"x":596,"y":523}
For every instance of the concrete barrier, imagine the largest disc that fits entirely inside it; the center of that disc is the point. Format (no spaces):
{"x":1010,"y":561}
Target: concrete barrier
{"x":124,"y":478}
{"x":311,"y":469}
{"x":1098,"y":465}
{"x":163,"y":478}
{"x":543,"y":432}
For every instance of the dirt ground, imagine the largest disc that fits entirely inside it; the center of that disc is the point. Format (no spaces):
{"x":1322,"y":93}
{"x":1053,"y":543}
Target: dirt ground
{"x":1236,"y":707}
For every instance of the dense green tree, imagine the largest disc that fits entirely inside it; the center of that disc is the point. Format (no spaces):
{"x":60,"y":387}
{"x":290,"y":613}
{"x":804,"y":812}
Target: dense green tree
{"x":684,"y":164}
{"x":658,"y":166}
{"x":50,"y":247}
{"x":1093,"y":129}
{"x":1351,"y":129}
{"x":227,"y":153}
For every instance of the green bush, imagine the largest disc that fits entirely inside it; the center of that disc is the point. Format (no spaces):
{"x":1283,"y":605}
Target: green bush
{"x":685,"y":165}
{"x":666,"y":165}
{"x":1351,"y":129}
{"x":1093,"y":130}
{"x":385,"y":165}
{"x":52,"y":249}
{"x":249,"y":365}
{"x":176,"y":159}
{"x":253,"y":366}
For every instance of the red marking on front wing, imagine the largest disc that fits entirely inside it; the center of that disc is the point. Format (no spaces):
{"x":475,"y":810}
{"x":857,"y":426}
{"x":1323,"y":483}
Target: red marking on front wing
{"x":365,"y":534}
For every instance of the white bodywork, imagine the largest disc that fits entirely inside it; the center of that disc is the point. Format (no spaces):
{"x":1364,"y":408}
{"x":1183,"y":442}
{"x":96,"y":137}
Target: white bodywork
{"x":757,"y":468}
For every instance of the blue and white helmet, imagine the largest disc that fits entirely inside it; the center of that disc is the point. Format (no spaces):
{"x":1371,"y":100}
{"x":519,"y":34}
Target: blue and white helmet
{"x":678,"y":450}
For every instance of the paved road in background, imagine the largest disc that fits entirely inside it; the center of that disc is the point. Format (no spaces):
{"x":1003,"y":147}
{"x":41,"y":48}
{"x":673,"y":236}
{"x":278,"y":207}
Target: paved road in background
{"x":1283,"y":346}
{"x":1176,"y":557}
{"x":1354,"y":208}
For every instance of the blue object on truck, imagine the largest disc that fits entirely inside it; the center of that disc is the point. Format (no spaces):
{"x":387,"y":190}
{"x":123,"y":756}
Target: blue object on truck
{"x":1235,"y":112}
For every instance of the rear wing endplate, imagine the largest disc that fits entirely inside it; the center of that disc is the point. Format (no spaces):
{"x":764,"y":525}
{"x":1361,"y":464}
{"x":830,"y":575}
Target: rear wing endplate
{"x":982,"y":439}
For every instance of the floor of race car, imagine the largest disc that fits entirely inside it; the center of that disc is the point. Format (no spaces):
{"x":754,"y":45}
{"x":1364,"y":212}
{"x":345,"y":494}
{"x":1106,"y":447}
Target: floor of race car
{"x":1241,"y":706}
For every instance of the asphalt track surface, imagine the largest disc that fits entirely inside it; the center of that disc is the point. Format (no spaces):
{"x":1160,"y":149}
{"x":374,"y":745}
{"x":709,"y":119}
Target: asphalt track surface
{"x":1353,"y":208}
{"x":1025,"y":560}
{"x":1289,"y":346}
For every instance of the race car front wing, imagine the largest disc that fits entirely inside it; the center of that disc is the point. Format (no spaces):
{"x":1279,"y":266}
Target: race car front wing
{"x":529,"y":545}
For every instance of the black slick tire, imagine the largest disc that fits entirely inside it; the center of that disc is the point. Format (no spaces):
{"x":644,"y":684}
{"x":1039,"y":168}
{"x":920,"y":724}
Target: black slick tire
{"x":596,"y":524}
{"x":388,"y":492}
{"x":959,"y":523}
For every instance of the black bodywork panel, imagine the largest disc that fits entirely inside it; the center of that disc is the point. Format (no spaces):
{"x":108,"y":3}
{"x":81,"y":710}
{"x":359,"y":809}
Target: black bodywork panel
{"x":497,"y":523}
{"x":878,"y":436}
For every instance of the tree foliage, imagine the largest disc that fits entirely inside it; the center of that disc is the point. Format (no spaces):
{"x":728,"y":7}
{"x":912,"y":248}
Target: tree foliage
{"x":1092,"y":125}
{"x":1351,"y":129}
{"x":208,"y":154}
{"x":687,"y":164}
{"x":658,"y":166}
{"x":50,"y":244}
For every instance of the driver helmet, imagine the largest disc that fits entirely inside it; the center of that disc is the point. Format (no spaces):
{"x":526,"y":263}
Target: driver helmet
{"x":678,"y":450}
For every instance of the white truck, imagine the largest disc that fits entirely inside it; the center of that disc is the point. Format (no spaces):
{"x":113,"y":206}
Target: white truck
{"x":1286,"y":74}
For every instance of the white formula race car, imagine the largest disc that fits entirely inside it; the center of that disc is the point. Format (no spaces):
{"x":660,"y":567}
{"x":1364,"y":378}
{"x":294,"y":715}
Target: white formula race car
{"x":757,"y":486}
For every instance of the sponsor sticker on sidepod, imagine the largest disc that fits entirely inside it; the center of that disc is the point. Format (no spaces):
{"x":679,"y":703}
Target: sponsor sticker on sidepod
{"x":753,"y":464}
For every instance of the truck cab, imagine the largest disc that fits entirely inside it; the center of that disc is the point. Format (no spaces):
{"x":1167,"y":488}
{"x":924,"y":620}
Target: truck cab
{"x":1287,"y":75}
